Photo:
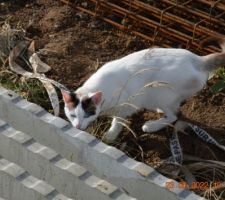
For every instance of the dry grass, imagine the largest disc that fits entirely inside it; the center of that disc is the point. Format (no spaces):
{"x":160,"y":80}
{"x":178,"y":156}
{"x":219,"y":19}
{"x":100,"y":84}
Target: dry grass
{"x":29,"y":89}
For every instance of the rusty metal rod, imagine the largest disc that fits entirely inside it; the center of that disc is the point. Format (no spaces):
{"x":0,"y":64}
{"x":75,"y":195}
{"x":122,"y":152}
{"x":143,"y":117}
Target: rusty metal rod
{"x":190,"y":28}
{"x":147,"y":22}
{"x":194,"y":12}
{"x":143,"y":23}
{"x":143,"y":20}
{"x":188,"y":25}
{"x":119,"y":26}
{"x":219,"y":5}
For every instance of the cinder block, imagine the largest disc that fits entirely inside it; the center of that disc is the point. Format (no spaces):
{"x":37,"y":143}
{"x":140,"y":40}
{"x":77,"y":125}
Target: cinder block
{"x":18,"y":184}
{"x":3,"y":90}
{"x":43,"y":162}
{"x":138,"y":179}
{"x":31,"y":107}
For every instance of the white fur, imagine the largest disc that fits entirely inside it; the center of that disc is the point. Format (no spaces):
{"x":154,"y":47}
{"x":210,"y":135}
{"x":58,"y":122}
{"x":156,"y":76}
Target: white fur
{"x":122,"y":83}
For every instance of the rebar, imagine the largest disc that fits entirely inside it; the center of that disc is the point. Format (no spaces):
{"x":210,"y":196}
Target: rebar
{"x":166,"y":23}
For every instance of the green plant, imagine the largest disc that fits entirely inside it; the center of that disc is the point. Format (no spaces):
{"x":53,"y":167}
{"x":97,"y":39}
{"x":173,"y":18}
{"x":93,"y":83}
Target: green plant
{"x":31,"y":89}
{"x":219,"y":86}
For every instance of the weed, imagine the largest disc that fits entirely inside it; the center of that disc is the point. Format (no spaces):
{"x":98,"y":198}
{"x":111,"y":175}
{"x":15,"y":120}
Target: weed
{"x":219,"y":86}
{"x":31,"y":89}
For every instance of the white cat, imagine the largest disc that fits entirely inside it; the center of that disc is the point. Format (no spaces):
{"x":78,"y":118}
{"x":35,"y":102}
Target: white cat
{"x":118,"y":87}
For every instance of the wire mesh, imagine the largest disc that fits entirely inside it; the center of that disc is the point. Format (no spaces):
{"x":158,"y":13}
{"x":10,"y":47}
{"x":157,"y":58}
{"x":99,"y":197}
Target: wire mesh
{"x":167,"y":23}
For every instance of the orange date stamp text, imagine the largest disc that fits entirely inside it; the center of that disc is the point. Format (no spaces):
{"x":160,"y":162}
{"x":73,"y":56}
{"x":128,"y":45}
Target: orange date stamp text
{"x":194,"y":185}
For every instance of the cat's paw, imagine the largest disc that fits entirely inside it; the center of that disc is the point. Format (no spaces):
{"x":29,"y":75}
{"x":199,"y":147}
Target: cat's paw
{"x":152,"y":126}
{"x":110,"y":136}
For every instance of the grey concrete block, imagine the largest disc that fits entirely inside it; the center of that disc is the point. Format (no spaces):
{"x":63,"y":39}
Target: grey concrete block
{"x":40,"y":186}
{"x":113,"y":152}
{"x":17,"y":184}
{"x":137,"y":179}
{"x":67,"y":177}
{"x":3,"y":90}
{"x":32,"y":108}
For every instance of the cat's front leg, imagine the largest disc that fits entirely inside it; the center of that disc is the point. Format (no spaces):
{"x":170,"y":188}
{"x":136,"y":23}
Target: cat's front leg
{"x":156,"y":125}
{"x":114,"y":131}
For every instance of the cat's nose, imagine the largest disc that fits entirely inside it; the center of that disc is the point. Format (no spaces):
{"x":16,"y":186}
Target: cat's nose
{"x":78,"y":126}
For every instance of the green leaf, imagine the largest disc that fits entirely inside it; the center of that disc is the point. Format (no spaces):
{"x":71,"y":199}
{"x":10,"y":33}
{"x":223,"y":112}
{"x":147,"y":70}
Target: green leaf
{"x":218,"y":86}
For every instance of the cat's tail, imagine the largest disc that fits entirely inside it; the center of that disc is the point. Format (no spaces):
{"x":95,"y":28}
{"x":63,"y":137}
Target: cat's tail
{"x":214,"y":60}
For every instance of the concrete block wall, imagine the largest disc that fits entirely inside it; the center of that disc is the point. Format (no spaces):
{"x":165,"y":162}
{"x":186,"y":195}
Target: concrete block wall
{"x":18,"y":184}
{"x":67,"y":177}
{"x":57,"y":135}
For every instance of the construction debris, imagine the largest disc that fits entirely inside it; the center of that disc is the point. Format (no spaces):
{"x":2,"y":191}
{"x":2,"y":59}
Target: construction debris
{"x":168,"y":23}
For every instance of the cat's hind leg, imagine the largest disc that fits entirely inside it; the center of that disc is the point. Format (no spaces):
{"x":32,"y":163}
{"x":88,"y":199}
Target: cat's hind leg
{"x":156,"y":125}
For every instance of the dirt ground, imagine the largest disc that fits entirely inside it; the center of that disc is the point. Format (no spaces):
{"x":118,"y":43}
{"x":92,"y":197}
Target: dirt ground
{"x":79,"y":44}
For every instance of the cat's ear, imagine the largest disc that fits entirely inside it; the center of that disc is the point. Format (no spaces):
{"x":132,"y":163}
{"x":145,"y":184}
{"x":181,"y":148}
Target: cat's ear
{"x":66,"y":96}
{"x":96,"y":97}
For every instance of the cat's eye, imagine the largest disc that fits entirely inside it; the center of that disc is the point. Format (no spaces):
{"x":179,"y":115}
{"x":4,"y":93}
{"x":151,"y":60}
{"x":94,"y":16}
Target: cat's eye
{"x":88,"y":114}
{"x":73,"y":115}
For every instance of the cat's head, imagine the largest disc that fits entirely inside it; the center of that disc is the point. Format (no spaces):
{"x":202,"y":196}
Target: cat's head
{"x":80,"y":109}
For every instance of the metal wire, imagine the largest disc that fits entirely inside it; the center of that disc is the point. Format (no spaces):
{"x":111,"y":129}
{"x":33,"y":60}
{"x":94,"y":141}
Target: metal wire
{"x":164,"y":22}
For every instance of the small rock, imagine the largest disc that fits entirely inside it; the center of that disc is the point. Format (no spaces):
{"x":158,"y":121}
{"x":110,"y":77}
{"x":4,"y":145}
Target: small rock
{"x":93,"y":24}
{"x":84,"y":4}
{"x":27,"y":5}
{"x":82,"y":15}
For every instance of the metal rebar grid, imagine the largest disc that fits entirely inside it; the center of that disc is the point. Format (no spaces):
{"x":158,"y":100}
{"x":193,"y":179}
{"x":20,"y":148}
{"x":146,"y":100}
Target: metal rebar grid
{"x":168,"y":23}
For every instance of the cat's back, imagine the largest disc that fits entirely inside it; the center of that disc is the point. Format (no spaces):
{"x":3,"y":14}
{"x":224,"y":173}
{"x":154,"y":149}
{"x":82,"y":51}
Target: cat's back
{"x":161,"y":58}
{"x":157,"y":57}
{"x":154,"y":57}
